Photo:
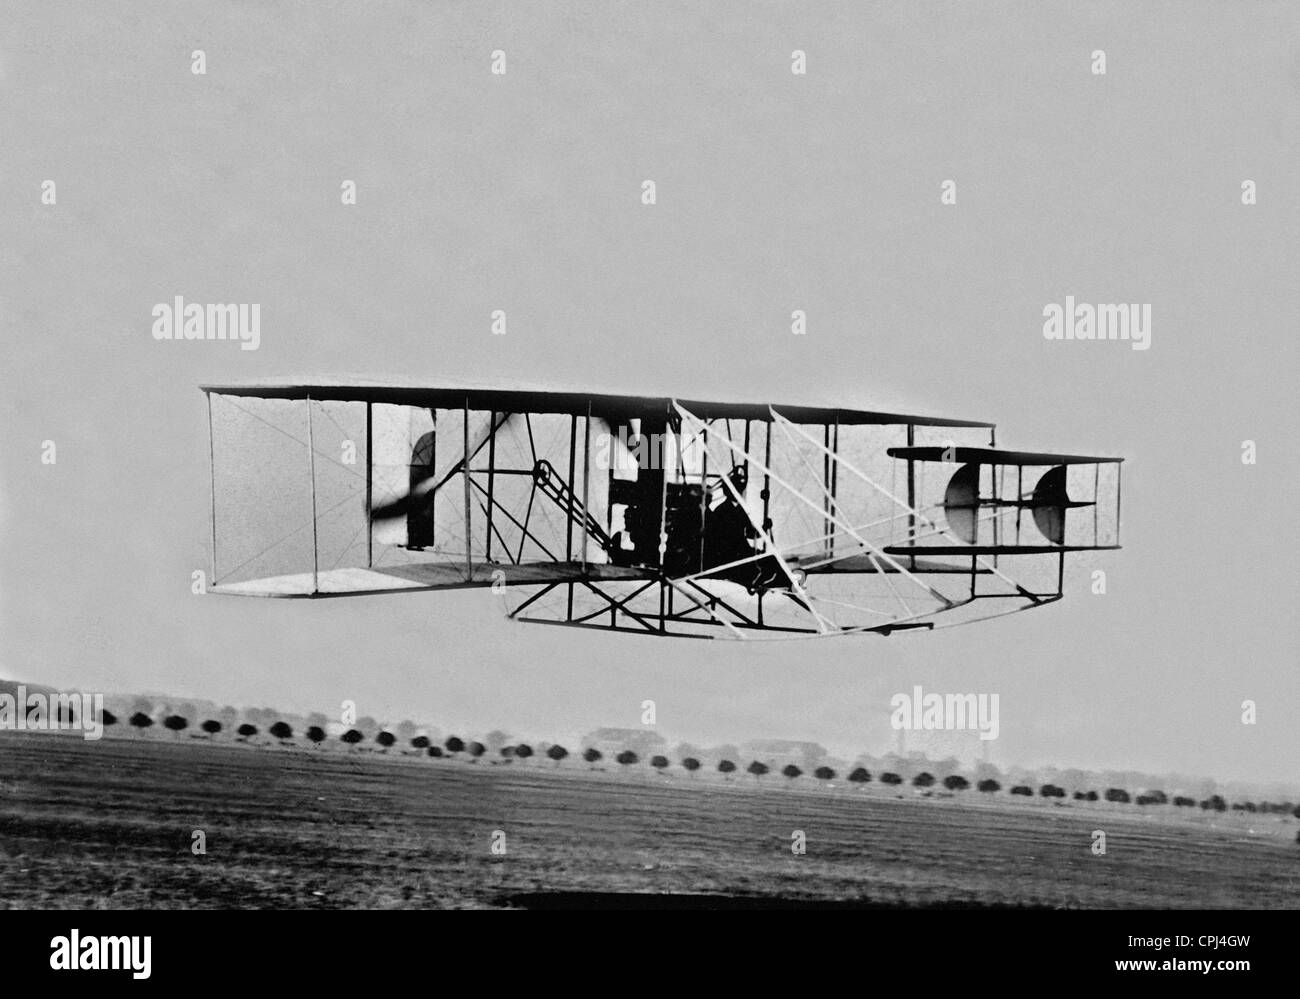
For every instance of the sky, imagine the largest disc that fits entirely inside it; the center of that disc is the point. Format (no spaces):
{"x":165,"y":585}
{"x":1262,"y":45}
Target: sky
{"x":818,"y":192}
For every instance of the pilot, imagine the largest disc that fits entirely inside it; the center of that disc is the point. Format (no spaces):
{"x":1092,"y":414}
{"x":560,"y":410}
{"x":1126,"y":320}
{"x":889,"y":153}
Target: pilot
{"x":729,"y":532}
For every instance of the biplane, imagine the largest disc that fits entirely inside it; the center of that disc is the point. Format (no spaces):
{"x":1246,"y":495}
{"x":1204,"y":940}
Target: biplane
{"x":652,"y":515}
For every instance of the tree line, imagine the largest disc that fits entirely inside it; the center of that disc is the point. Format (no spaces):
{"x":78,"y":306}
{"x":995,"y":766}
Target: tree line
{"x":454,"y":746}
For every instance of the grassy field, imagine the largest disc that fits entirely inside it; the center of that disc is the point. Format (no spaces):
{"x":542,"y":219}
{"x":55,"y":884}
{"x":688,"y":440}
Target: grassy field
{"x":110,"y":824}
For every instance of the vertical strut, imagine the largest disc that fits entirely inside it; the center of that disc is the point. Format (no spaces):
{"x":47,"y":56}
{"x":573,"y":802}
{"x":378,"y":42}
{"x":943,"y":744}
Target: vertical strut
{"x":704,"y":491}
{"x":767,"y":494}
{"x":995,"y":471}
{"x":835,"y":478}
{"x":311,"y":466}
{"x":663,"y":508}
{"x":586,"y":483}
{"x":1096,"y":488}
{"x":464,"y":470}
{"x":492,"y":464}
{"x":568,"y":528}
{"x":826,"y":485}
{"x":212,"y":481}
{"x":1020,"y":494}
{"x":370,"y":465}
{"x":1119,"y":482}
{"x":911,"y":494}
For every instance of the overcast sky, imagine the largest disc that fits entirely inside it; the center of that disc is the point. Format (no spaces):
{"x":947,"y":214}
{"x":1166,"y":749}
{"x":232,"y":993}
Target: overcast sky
{"x":775,"y":192}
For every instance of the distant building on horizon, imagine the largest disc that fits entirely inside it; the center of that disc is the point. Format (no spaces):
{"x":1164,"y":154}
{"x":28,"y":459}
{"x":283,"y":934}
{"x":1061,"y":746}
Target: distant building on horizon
{"x":612,"y":741}
{"x":807,"y":754}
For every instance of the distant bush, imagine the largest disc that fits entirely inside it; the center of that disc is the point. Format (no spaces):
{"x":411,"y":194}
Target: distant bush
{"x":1023,"y":790}
{"x":1051,"y":791}
{"x":434,"y":751}
{"x":556,"y":753}
{"x":141,"y":720}
{"x":1117,"y":794}
{"x":988,"y":785}
{"x":524,"y":751}
{"x":1080,"y":796}
{"x":860,"y":775}
{"x":757,"y":769}
{"x":956,"y":782}
{"x":477,"y":749}
{"x":1296,"y":813}
{"x":1182,"y":801}
{"x":352,"y":736}
{"x":108,"y":718}
{"x":890,"y":778}
{"x":455,"y":745}
{"x":246,"y":731}
{"x":626,"y":758}
{"x":690,"y":764}
{"x":420,"y":742}
{"x":923,"y":780}
{"x":660,"y":763}
{"x":592,"y":755}
{"x":316,"y":734}
{"x":1158,"y":797}
{"x":211,"y":726}
{"x":1092,"y":795}
{"x":791,"y":771}
{"x":176,"y":723}
{"x":824,"y":773}
{"x":281,"y":730}
{"x":726,"y":767}
{"x":385,"y":740}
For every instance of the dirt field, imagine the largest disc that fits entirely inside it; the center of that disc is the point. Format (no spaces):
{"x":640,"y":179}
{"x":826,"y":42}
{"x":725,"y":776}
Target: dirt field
{"x":110,"y":824}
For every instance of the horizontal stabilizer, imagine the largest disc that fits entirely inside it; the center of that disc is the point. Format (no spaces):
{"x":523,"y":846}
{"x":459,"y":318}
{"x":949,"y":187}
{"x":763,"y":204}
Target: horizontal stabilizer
{"x":993,"y":456}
